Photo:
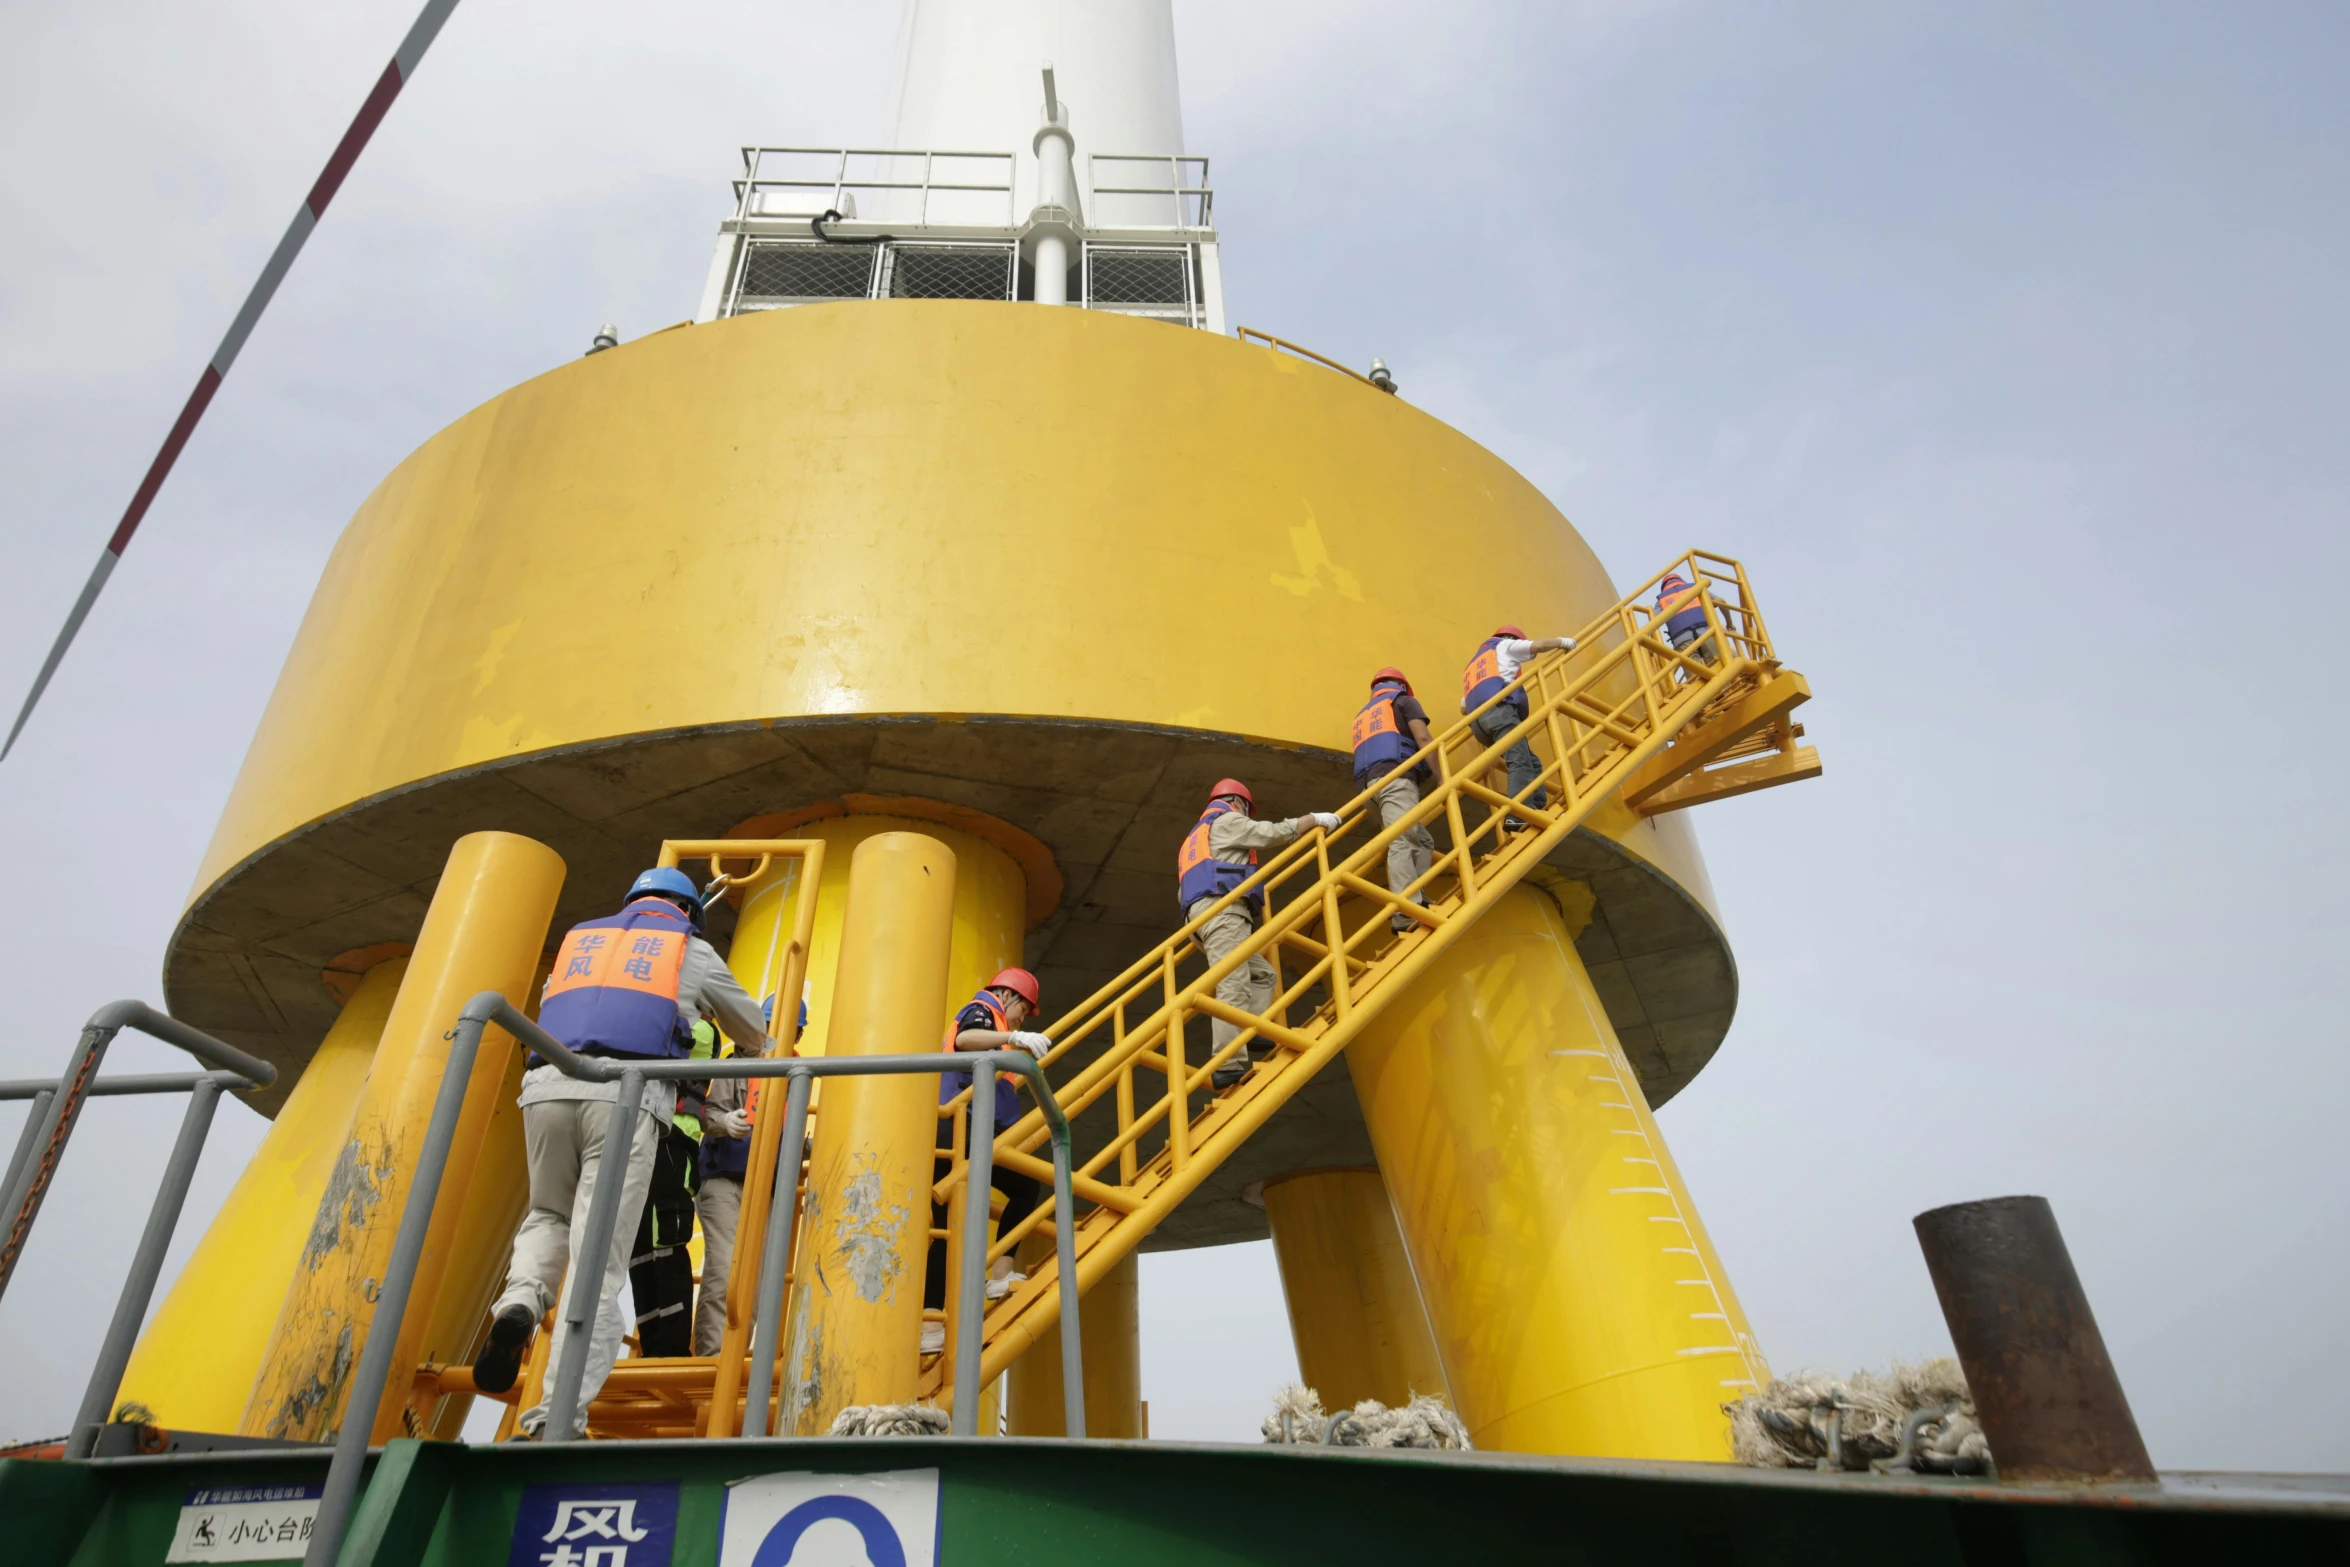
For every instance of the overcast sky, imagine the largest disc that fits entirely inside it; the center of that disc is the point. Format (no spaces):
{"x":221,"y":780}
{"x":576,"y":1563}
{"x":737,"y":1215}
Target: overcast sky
{"x":2006,"y":342}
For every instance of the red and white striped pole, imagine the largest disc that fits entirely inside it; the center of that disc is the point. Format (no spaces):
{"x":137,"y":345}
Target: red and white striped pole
{"x":346,"y":153}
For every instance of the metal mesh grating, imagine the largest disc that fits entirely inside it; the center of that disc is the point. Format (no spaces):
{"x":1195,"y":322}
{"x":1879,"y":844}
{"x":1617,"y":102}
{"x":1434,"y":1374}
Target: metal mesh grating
{"x":788,"y":273}
{"x":951,"y":272}
{"x":1160,"y":278}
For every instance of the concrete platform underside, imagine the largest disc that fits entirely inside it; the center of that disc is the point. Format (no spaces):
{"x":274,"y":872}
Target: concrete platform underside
{"x":1111,"y":801}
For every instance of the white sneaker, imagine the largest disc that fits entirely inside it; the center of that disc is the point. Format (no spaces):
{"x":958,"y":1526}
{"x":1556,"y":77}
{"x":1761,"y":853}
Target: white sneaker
{"x":997,"y":1289}
{"x":934,"y":1338}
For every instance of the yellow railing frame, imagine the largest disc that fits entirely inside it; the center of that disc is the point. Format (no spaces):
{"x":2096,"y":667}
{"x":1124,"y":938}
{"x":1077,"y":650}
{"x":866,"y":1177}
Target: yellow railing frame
{"x":1596,"y":715}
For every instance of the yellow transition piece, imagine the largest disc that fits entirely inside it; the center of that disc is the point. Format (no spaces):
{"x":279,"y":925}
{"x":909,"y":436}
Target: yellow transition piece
{"x":820,"y":488}
{"x":1575,"y":1299}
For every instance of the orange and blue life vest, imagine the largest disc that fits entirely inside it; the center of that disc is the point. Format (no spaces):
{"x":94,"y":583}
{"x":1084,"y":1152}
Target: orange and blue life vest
{"x":729,"y":1158}
{"x":1379,"y":740}
{"x":1007,"y":1093}
{"x":1483,"y":678}
{"x":1199,"y":874}
{"x":614,"y":987}
{"x":1676,"y":589}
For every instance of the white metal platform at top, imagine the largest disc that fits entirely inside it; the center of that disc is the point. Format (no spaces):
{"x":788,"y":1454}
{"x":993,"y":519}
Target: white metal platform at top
{"x":941,"y":223}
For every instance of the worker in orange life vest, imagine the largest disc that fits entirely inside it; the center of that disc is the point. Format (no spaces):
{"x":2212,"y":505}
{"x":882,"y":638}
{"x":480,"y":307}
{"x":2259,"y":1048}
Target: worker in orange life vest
{"x":990,"y":1020}
{"x":1497,"y":663}
{"x":631,"y":985}
{"x":1217,"y":856}
{"x":1684,"y":615}
{"x":1389,"y":728}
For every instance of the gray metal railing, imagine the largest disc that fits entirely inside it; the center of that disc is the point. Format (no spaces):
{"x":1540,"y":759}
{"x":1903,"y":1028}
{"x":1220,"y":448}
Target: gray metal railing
{"x":582,"y":1294}
{"x":49,"y":1125}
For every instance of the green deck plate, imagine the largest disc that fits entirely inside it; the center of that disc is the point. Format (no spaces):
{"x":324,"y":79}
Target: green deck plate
{"x":1013,"y":1503}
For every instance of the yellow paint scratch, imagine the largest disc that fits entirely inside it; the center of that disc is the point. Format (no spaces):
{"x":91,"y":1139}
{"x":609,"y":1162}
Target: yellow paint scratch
{"x":1313,"y":561}
{"x":486,"y":666}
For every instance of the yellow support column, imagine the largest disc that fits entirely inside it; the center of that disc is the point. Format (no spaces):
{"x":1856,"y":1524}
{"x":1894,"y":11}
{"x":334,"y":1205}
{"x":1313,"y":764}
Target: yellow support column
{"x":1576,"y":1303}
{"x":197,"y":1360}
{"x":855,"y":1316}
{"x":1109,"y":1333}
{"x":485,"y":931}
{"x":457,"y":1321}
{"x":1354,"y":1310}
{"x":991,"y":914}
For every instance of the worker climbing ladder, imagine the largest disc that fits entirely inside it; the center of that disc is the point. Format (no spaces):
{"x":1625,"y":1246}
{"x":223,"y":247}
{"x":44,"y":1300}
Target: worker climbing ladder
{"x":1623,"y":714}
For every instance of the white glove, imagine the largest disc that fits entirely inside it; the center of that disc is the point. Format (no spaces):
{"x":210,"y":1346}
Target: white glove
{"x":1566,"y":644}
{"x":1326,"y":820}
{"x":1035,"y":1044}
{"x":726,"y":1123}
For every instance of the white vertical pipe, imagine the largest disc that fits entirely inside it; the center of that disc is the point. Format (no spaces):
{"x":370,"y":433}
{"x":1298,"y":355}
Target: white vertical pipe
{"x":1052,"y":269}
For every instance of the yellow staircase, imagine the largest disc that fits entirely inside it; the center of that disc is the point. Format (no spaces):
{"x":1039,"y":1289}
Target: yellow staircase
{"x":1624,"y":714}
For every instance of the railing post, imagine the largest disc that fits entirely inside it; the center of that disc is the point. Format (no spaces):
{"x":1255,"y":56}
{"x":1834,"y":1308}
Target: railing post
{"x":1126,"y":1112}
{"x":1065,"y":1243}
{"x":591,"y":1259}
{"x":1333,"y":930}
{"x":56,"y":1127}
{"x":1178,"y":1075}
{"x":971,"y":1289}
{"x":783,"y":1211}
{"x":36,"y":1113}
{"x":171,"y":1195}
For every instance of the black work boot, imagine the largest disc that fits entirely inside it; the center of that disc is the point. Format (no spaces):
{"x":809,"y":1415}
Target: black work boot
{"x":500,"y":1360}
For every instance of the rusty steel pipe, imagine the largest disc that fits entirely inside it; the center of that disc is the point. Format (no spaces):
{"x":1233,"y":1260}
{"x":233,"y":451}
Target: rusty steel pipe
{"x":2044,"y":1388}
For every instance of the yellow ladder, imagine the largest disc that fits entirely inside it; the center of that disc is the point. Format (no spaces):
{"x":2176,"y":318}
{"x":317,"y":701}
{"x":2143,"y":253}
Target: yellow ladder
{"x":1624,"y":714}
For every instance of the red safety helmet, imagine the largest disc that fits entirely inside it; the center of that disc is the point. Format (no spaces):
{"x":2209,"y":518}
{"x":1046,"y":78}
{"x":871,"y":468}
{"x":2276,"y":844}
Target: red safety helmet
{"x":1225,"y":786}
{"x":1516,"y":633}
{"x":1394,"y":674}
{"x":1020,"y":983}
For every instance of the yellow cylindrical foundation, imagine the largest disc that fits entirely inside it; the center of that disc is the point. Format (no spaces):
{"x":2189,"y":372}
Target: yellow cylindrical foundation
{"x":1109,"y":1335}
{"x":1354,"y":1310}
{"x":856,"y":1302}
{"x":1576,"y":1303}
{"x":197,"y":1360}
{"x":484,"y":931}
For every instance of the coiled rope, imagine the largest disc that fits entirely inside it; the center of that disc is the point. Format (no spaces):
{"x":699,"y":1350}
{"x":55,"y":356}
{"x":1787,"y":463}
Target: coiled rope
{"x":1298,"y":1420}
{"x":1911,"y":1419}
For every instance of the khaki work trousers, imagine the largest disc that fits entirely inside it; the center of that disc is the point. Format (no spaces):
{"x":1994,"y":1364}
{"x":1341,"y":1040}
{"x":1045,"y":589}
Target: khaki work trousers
{"x":564,"y":1141}
{"x":1250,"y":986}
{"x":1414,"y":849}
{"x":720,"y":1204}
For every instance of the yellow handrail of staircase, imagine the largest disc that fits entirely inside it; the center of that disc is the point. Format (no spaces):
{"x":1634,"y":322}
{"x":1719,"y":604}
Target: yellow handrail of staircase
{"x":1623,"y":708}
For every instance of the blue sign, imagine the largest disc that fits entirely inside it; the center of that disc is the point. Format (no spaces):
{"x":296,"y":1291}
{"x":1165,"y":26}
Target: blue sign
{"x":595,"y":1526}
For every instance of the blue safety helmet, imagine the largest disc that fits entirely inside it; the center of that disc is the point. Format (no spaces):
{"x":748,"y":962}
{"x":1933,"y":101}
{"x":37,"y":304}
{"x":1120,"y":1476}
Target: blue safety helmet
{"x":665,"y":881}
